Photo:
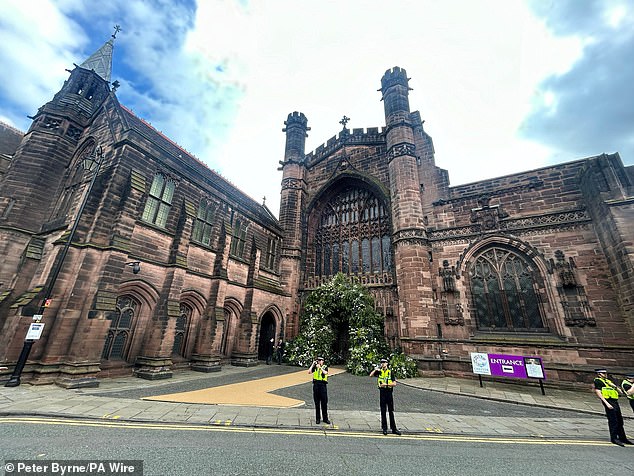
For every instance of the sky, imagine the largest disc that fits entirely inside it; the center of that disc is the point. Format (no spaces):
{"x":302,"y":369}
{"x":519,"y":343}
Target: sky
{"x":503,"y":86}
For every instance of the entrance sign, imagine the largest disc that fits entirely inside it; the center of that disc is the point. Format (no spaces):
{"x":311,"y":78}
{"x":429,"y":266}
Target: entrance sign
{"x":35,"y":331}
{"x":503,"y":365}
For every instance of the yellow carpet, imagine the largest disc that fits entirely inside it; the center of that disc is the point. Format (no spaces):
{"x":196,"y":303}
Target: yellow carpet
{"x":254,"y":393}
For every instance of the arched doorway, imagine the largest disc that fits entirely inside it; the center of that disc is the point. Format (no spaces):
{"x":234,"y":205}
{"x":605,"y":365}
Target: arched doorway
{"x":341,"y":346}
{"x":267,"y":332}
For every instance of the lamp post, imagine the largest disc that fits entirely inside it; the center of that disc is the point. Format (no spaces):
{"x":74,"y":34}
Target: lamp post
{"x":92,"y":162}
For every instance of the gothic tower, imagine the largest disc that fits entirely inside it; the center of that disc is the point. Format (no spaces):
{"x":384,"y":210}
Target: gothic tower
{"x":41,"y":192}
{"x":292,"y":205}
{"x":411,"y":247}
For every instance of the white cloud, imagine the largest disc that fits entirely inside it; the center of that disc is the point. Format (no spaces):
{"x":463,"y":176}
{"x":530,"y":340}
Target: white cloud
{"x":37,"y":43}
{"x":221,"y":79}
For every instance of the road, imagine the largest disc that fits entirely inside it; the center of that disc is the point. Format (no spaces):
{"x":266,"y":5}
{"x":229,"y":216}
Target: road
{"x":350,"y":392}
{"x":204,"y":450}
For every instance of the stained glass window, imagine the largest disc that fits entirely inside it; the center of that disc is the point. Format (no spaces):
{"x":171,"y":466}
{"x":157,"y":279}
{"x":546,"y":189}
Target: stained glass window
{"x":503,"y":291}
{"x":353,"y":235}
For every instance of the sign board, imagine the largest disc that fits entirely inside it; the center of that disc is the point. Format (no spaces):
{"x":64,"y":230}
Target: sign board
{"x":35,"y":331}
{"x":480,"y":363}
{"x":534,"y":367}
{"x":502,"y":365}
{"x":38,"y":317}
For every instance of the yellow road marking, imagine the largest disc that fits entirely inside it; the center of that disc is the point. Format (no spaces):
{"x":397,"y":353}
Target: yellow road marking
{"x":290,"y":431}
{"x":254,"y":393}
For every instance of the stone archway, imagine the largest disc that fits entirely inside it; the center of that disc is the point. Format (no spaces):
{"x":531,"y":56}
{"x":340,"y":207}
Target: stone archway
{"x":267,"y":332}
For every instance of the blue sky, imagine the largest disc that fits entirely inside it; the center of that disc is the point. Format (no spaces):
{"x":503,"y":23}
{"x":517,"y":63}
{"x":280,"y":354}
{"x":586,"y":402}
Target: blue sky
{"x":503,"y":85}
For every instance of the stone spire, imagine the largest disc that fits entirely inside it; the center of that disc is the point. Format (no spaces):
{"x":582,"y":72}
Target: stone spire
{"x":101,"y":60}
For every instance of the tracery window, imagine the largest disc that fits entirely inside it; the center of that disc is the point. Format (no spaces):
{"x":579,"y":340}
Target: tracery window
{"x":353,"y":235}
{"x":503,"y":291}
{"x":74,"y":180}
{"x":204,"y":223}
{"x":182,"y":326}
{"x":239,"y":239}
{"x":159,"y":201}
{"x":121,"y":328}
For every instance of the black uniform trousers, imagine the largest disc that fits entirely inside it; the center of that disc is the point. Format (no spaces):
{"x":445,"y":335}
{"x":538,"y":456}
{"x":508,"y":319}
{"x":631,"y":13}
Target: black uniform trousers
{"x":320,"y":397}
{"x":387,"y":405}
{"x":615,"y":420}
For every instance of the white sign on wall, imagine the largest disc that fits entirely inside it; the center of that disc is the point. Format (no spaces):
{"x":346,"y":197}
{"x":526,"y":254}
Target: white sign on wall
{"x":35,"y":331}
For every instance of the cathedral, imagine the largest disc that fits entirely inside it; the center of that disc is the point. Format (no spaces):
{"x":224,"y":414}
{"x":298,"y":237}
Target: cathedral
{"x":132,"y":256}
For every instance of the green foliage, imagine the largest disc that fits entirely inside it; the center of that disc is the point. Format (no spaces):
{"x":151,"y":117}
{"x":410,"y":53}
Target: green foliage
{"x":402,"y":365}
{"x":367,"y":347}
{"x":339,"y":304}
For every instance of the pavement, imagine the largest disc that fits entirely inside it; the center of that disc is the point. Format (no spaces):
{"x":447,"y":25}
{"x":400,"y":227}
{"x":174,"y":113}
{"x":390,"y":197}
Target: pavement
{"x":242,"y":397}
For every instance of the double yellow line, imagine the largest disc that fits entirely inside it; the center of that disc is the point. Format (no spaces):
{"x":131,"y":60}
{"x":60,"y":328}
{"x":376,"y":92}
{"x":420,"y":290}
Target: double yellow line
{"x":332,"y":433}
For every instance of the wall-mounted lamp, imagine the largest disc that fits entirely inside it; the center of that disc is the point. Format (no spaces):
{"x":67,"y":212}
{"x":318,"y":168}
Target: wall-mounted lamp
{"x":136,"y":266}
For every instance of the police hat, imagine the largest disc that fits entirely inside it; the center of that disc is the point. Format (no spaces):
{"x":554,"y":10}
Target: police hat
{"x":630,"y":375}
{"x":601,"y":371}
{"x":320,"y":358}
{"x":384,"y":360}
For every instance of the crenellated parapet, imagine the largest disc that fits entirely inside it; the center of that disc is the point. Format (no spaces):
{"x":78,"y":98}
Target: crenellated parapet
{"x":394,"y":77}
{"x":360,"y":136}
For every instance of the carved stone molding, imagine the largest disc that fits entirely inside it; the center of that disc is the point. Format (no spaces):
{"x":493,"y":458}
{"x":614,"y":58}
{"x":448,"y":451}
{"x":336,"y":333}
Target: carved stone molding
{"x":292,"y":184}
{"x":397,"y":150}
{"x":551,"y":219}
{"x":412,"y":236}
{"x":452,"y":313}
{"x":533,"y":225}
{"x":487,"y":218}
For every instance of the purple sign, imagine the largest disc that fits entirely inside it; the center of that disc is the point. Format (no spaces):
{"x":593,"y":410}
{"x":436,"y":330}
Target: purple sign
{"x":503,"y":365}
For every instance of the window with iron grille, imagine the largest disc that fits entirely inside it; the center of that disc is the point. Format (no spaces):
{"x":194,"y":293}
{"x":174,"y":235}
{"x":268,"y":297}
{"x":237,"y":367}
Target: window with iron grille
{"x":239,"y":239}
{"x":204,"y":223}
{"x":353,"y":235}
{"x":121,"y":329}
{"x":503,"y":291}
{"x":182,"y":327}
{"x":159,"y":201}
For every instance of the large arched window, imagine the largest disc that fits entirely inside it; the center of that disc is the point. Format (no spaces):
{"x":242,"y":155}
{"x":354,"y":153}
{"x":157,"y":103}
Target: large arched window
{"x":121,"y":329}
{"x":353,"y":235}
{"x":503,"y":291}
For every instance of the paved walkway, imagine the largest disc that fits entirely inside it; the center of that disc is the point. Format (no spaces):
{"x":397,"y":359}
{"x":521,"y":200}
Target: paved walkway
{"x":53,"y":401}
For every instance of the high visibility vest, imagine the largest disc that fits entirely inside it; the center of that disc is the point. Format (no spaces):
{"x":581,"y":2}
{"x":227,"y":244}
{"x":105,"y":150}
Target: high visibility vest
{"x":319,"y":376}
{"x":385,"y":377}
{"x":629,"y":385}
{"x":608,"y":390}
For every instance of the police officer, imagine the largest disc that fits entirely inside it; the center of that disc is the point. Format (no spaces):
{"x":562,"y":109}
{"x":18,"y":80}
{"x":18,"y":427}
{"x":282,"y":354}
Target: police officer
{"x":386,"y":382}
{"x":627,"y":385}
{"x":320,"y":389}
{"x":608,"y":393}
